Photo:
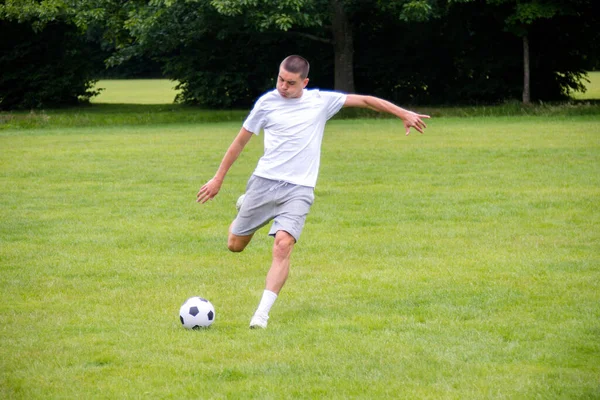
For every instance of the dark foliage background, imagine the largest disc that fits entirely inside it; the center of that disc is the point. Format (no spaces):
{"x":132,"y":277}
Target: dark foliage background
{"x":49,"y":68}
{"x":464,"y":53}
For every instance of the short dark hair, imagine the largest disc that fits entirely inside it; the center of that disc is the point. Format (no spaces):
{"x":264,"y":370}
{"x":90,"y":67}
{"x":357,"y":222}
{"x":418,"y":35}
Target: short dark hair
{"x":296,"y":65}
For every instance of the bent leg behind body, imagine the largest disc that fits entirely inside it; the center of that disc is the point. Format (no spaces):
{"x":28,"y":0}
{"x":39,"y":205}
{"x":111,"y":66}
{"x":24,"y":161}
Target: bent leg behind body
{"x":236,"y":243}
{"x":254,"y":212}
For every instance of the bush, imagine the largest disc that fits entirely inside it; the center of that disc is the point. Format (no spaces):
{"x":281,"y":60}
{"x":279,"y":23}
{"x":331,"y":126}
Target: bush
{"x":50,"y":67}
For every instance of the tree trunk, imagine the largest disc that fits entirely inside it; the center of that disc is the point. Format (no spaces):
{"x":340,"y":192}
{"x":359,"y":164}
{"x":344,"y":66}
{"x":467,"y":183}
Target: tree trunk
{"x":526,"y":74}
{"x":343,"y":45}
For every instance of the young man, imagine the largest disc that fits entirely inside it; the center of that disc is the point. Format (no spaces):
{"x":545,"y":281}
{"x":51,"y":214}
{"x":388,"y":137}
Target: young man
{"x":281,"y":189}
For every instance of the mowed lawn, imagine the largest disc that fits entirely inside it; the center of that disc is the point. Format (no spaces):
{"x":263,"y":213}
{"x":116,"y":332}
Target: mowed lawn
{"x":162,"y":91}
{"x":593,"y":87}
{"x":459,"y":264}
{"x":136,"y":91}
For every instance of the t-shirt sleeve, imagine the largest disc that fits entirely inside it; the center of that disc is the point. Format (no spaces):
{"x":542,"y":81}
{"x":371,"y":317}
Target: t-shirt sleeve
{"x":256,"y":119}
{"x":335,"y":102}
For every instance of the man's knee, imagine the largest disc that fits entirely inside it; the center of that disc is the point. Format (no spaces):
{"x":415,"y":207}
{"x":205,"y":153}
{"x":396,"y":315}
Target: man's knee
{"x":284,"y":243}
{"x":236,"y":243}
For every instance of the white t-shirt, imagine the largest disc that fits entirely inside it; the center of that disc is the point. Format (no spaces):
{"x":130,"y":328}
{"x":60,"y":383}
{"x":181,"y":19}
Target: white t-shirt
{"x":293,"y":133}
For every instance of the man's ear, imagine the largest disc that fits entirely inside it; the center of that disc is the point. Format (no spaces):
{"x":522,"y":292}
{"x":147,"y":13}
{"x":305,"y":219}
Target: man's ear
{"x":305,"y":82}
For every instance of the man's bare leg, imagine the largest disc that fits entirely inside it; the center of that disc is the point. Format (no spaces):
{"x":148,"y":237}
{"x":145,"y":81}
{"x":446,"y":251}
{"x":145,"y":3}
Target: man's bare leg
{"x":276,"y":277}
{"x":237,"y":243}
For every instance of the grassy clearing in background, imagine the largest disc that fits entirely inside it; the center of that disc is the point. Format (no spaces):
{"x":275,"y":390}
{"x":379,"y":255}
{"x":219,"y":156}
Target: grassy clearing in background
{"x":463,"y":263}
{"x":162,"y":91}
{"x":114,"y":107}
{"x":593,"y":87}
{"x":136,"y":91}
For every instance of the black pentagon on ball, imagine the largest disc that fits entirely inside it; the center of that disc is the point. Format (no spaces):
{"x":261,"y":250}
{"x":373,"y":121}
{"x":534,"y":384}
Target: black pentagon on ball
{"x":211,"y":315}
{"x":194,"y":311}
{"x":204,"y":300}
{"x":181,"y":318}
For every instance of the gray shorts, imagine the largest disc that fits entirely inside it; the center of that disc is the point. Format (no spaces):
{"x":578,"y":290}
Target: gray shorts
{"x":284,"y":203}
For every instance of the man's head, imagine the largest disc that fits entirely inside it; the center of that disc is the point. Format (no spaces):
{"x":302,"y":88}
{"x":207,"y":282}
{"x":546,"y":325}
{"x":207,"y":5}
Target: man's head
{"x":293,"y":77}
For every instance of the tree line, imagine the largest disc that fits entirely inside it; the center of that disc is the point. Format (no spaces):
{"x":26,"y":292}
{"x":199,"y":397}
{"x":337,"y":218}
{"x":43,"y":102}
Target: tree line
{"x":224,"y":53}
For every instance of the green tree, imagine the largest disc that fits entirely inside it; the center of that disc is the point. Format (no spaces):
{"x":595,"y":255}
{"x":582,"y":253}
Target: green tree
{"x":45,"y":60}
{"x":522,"y":17}
{"x":224,"y":53}
{"x":335,"y":19}
{"x":215,"y":58}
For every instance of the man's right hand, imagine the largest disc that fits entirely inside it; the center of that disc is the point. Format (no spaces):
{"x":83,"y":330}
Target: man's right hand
{"x":209,"y":190}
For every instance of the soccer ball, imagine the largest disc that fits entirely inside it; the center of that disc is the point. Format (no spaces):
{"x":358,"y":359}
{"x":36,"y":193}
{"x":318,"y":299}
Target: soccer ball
{"x":240,"y":200}
{"x":197,"y":313}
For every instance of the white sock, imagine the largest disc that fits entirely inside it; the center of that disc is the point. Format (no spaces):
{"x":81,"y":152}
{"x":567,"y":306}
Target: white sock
{"x":268,"y":298}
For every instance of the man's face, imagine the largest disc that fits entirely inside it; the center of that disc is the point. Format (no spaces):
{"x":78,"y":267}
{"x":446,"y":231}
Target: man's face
{"x":290,"y":85}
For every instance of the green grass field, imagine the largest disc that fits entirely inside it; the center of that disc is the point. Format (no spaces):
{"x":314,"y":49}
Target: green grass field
{"x":138,"y":91}
{"x":593,"y":87}
{"x":162,"y":91}
{"x":459,"y":264}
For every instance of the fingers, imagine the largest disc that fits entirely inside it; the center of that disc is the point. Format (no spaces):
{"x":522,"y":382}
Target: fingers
{"x":417,"y":123}
{"x":201,"y":191}
{"x":203,"y":198}
{"x":418,"y":127}
{"x":204,"y":195}
{"x":208,"y":191}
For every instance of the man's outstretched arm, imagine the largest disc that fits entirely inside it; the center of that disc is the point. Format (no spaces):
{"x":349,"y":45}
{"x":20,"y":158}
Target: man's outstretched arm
{"x":409,"y":118}
{"x":212,"y":187}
